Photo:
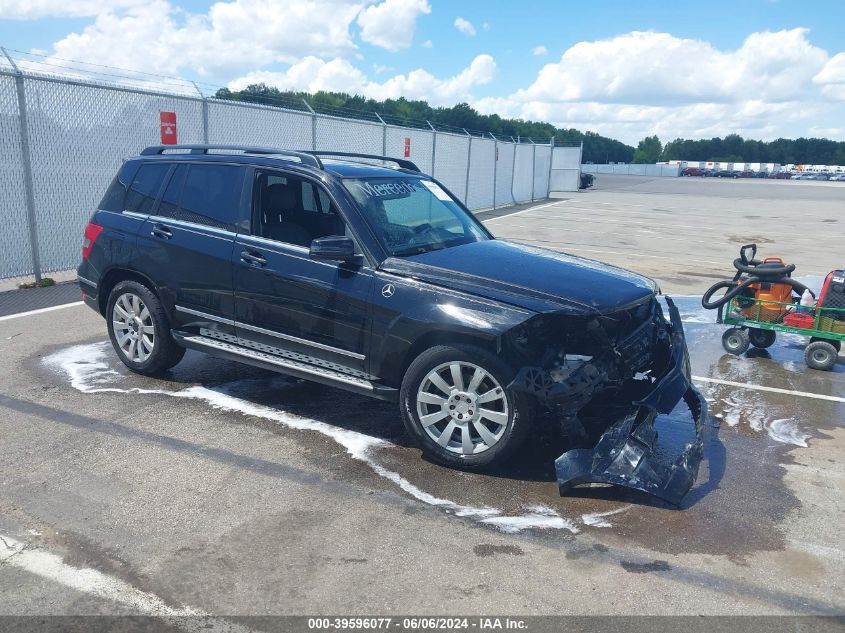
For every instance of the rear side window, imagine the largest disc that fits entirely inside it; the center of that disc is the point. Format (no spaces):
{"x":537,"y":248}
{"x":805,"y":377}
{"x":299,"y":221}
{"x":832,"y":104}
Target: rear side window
{"x":116,"y":193}
{"x":204,"y":194}
{"x":145,"y":187}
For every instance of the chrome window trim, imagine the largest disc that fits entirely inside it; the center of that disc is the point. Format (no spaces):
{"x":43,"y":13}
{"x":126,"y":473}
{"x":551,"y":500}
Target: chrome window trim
{"x":261,"y":330}
{"x":205,"y":315}
{"x":284,"y":246}
{"x":192,"y":225}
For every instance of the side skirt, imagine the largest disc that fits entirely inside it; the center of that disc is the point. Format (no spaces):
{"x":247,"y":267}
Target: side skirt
{"x":298,"y":369}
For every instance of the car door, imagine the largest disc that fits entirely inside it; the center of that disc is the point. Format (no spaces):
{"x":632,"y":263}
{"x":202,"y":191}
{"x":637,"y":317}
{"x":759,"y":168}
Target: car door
{"x":185,"y":245}
{"x":287,"y":303}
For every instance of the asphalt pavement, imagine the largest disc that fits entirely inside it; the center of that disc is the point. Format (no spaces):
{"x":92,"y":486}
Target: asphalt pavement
{"x":224,"y":489}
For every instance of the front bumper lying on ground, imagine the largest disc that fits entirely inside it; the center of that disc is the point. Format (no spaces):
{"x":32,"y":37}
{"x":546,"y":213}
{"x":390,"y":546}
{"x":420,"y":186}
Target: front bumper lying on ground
{"x":627,"y":454}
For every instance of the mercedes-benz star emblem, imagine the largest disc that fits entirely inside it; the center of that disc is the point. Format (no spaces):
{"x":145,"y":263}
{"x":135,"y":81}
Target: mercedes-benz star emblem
{"x":388,"y":290}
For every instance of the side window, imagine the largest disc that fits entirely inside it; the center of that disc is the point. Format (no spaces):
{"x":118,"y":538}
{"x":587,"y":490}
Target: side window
{"x":145,"y":187}
{"x":210,"y":195}
{"x":293,"y":210}
{"x":116,"y":193}
{"x":169,"y":205}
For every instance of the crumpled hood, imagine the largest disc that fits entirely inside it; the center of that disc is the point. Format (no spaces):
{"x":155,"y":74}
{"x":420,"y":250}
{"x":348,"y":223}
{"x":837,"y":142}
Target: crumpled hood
{"x":538,"y":279}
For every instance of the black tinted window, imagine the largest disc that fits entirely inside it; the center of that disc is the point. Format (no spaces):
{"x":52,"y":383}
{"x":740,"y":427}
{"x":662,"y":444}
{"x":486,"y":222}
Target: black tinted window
{"x":145,"y":187}
{"x":115,"y":194}
{"x":169,"y":205}
{"x":211,"y":195}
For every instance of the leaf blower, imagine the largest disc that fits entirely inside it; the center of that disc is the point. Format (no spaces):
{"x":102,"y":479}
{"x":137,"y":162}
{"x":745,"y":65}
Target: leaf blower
{"x":760,"y":287}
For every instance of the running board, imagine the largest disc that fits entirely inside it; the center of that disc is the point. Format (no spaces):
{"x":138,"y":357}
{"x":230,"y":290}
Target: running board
{"x":287,"y":366}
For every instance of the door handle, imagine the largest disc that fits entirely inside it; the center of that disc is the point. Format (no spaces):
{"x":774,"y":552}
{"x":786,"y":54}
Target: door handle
{"x":159,"y":230}
{"x":252,"y":258}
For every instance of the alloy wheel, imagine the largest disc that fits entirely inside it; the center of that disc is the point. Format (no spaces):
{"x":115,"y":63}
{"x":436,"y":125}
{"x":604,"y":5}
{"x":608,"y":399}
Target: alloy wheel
{"x":462,"y":408}
{"x":134,"y":330}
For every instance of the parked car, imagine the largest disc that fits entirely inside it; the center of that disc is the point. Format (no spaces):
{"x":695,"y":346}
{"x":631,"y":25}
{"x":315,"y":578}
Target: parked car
{"x":747,"y":174}
{"x":693,"y":171}
{"x":781,"y":175}
{"x":727,"y":173}
{"x":586,"y":181}
{"x":838,"y":177}
{"x":761,"y":174}
{"x":381,"y":282}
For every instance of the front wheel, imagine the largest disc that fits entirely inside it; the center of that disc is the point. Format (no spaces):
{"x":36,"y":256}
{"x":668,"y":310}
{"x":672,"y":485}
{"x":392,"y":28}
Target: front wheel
{"x":455,"y":404}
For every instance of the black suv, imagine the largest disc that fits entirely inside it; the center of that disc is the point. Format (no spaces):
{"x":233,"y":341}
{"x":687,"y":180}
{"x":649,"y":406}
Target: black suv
{"x":336,"y":268}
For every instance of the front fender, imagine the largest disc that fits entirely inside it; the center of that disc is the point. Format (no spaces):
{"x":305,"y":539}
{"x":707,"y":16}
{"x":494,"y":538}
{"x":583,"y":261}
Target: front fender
{"x":419,"y":316}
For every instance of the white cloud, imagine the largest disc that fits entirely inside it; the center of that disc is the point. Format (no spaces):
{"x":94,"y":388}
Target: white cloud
{"x":642,"y":83}
{"x":233,"y":37}
{"x":313,"y":74}
{"x":391,"y":24}
{"x":36,"y":9}
{"x":464,"y":26}
{"x":427,"y":44}
{"x":832,"y":78}
{"x":486,"y":26}
{"x":540,"y":50}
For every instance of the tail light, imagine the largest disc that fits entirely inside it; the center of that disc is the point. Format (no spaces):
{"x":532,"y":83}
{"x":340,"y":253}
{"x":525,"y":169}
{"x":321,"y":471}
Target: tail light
{"x":92,"y":232}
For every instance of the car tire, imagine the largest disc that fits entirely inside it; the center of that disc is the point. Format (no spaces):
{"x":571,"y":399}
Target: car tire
{"x":762,"y":338}
{"x":140,"y":330}
{"x":735,"y":341}
{"x":431,"y":408}
{"x":820,"y":355}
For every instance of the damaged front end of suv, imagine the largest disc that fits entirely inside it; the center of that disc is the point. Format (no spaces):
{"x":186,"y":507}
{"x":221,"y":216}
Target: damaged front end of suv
{"x":607,"y":378}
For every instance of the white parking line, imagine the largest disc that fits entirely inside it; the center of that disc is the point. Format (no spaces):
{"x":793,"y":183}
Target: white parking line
{"x":40,"y":311}
{"x":510,"y":215}
{"x":789,"y":392}
{"x":93,"y":582}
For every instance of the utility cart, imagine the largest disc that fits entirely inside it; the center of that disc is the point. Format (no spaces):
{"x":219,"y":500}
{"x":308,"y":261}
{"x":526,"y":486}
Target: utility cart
{"x":757,"y":321}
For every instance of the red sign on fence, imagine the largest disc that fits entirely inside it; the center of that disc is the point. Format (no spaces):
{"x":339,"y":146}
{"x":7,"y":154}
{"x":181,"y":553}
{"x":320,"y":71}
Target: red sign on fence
{"x":168,"y":128}
{"x":407,"y":147}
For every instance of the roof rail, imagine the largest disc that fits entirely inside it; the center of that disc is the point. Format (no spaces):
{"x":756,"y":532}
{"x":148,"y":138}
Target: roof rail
{"x":306,"y":158}
{"x":401,"y":162}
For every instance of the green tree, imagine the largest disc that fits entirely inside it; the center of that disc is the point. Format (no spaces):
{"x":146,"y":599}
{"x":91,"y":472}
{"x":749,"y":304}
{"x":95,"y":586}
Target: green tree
{"x":648,"y":150}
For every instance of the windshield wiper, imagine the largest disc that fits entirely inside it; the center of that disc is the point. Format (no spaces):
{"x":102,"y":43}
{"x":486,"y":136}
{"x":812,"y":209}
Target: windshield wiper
{"x":417,"y":250}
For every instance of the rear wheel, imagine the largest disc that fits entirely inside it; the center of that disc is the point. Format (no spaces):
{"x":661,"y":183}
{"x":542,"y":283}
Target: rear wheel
{"x":139,"y":329}
{"x":455,"y":404}
{"x":762,"y":338}
{"x":735,"y":341}
{"x":820,"y":355}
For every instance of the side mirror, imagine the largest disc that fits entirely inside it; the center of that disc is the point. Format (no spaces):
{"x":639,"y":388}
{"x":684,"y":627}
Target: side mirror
{"x":334,"y":247}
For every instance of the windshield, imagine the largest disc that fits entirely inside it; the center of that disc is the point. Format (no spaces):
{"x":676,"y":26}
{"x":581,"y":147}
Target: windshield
{"x":411,"y":215}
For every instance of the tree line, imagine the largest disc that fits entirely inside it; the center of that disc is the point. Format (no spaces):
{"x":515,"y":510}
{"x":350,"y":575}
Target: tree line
{"x":597,"y":148}
{"x":735,"y":149}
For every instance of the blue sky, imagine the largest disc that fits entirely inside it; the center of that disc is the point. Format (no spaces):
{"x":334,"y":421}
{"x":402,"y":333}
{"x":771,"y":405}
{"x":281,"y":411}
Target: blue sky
{"x":761,"y":68}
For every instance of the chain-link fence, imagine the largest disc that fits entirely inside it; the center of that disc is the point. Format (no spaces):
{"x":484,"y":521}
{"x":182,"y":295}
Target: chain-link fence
{"x":62,"y":139}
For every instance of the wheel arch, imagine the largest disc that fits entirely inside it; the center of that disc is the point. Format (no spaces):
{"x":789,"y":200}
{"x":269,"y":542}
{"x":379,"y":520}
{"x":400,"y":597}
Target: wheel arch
{"x":113,"y":277}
